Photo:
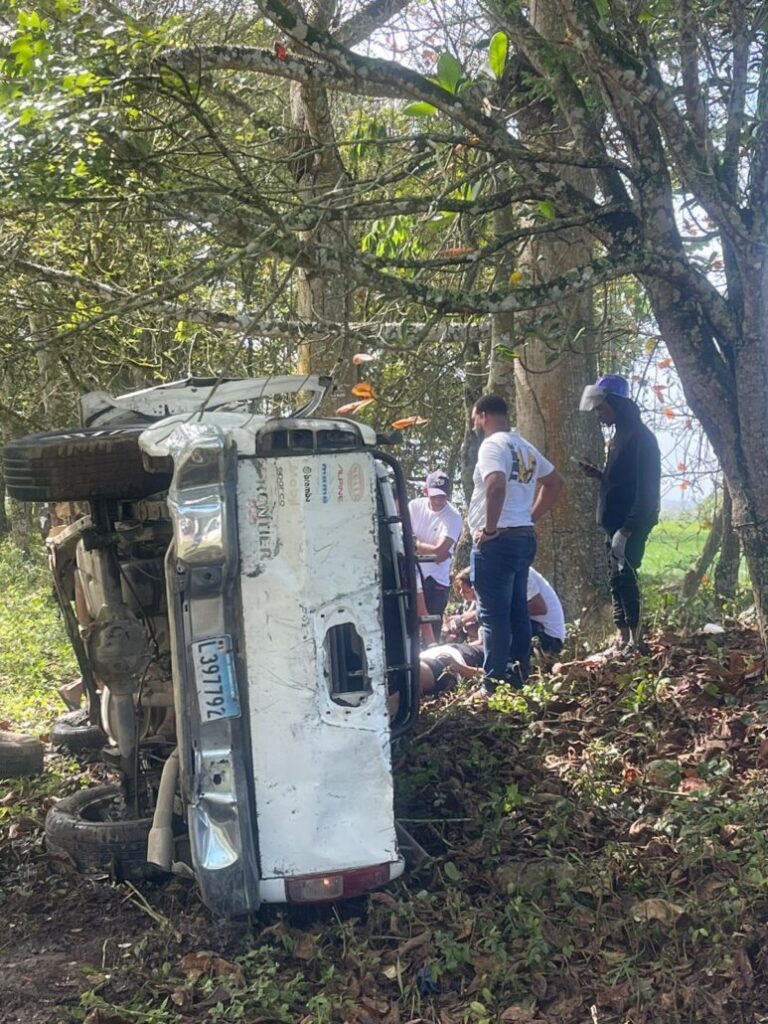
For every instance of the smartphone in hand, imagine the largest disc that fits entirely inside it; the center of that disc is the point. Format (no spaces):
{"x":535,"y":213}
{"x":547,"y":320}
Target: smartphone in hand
{"x":587,"y":467}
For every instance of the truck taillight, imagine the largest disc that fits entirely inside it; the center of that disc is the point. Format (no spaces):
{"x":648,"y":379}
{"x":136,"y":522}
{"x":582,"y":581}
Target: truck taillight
{"x":335,"y":886}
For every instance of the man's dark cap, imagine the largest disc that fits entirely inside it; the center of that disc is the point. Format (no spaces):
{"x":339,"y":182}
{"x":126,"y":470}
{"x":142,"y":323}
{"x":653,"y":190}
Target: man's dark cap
{"x":438,"y":483}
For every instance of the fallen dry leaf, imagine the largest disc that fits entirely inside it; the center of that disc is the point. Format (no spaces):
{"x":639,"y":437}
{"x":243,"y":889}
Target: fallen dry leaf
{"x":693,"y":787}
{"x":517,"y":1014}
{"x":657,"y":909}
{"x":101,"y":1016}
{"x":305,"y":947}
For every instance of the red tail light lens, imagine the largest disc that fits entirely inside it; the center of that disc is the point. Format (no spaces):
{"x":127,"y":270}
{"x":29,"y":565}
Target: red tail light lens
{"x":335,"y":886}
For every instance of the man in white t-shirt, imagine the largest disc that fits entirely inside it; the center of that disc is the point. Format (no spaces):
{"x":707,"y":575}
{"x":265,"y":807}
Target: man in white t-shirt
{"x":436,"y":526}
{"x":515,"y":485}
{"x":546,"y":612}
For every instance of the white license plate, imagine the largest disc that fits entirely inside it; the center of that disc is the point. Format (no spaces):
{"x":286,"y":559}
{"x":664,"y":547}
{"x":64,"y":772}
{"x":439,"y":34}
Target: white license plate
{"x":217,"y":695}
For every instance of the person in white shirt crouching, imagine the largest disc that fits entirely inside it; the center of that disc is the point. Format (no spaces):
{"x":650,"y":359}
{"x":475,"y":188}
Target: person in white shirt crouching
{"x":436,"y":526}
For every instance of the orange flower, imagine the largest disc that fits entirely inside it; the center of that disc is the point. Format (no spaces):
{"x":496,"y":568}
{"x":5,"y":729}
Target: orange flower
{"x":409,"y":421}
{"x":669,"y":413}
{"x":664,"y":364}
{"x":458,"y":250}
{"x":363,"y":390}
{"x":347,"y":410}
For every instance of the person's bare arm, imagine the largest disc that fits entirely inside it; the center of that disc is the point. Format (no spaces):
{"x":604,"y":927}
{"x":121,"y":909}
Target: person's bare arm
{"x":495,"y":492}
{"x":466,"y":672}
{"x":537,"y":605}
{"x":546,"y":495}
{"x":441,"y":550}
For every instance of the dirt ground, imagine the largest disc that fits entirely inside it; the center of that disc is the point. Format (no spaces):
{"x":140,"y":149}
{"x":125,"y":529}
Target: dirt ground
{"x":597,"y":852}
{"x":65,"y":934}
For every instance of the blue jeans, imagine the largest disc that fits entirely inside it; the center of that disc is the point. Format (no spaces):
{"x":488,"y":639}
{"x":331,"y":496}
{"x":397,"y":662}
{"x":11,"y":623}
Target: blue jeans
{"x":499,"y":569}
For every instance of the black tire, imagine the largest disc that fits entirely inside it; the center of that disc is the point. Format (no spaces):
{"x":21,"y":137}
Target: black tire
{"x":75,"y":732}
{"x":19,"y":755}
{"x":87,"y":827}
{"x":80,"y":464}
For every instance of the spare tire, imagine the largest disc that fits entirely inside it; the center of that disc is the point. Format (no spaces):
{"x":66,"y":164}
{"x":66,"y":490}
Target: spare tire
{"x":76,"y":732}
{"x":89,"y":827}
{"x":19,"y":755}
{"x":80,"y":464}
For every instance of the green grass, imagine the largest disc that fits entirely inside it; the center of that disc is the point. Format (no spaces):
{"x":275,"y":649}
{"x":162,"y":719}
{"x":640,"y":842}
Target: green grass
{"x":674,"y":546}
{"x":36,"y":656}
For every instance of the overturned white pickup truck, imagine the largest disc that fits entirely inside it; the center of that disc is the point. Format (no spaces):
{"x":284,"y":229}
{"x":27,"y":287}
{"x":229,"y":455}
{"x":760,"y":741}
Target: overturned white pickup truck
{"x":239,"y":589}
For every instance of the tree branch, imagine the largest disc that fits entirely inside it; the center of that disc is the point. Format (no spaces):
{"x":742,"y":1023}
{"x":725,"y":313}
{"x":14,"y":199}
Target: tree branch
{"x":737,"y":97}
{"x":375,"y":14}
{"x":549,"y":64}
{"x":629,"y":74}
{"x":200,"y":59}
{"x":247,"y":323}
{"x":689,"y":61}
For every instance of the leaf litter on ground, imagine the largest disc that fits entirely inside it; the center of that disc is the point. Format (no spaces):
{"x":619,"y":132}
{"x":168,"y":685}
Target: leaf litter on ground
{"x":597,"y":852}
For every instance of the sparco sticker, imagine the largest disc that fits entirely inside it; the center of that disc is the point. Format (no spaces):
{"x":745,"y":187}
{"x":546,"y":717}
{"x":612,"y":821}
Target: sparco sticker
{"x":355,"y":481}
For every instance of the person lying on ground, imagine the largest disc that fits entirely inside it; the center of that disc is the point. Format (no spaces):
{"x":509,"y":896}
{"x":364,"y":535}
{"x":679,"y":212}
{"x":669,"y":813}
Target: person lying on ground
{"x":442,"y":667}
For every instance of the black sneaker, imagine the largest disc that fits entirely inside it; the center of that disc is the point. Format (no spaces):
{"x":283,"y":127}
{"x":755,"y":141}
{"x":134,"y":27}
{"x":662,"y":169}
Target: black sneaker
{"x":635,"y":649}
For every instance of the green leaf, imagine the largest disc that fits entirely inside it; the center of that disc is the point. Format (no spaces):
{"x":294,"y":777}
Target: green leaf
{"x":497,"y":54}
{"x":451,"y":871}
{"x":420,"y":109}
{"x":546,"y":209}
{"x":448,"y":72}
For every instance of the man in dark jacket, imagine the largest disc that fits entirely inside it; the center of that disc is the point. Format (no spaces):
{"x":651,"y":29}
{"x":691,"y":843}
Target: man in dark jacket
{"x":628,"y":505}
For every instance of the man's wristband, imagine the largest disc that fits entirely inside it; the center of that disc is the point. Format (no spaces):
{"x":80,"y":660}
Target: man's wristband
{"x":490,"y":533}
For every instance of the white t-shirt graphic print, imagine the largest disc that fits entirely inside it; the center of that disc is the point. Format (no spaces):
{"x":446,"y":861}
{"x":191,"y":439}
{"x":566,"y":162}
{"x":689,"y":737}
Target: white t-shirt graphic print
{"x":508,"y":453}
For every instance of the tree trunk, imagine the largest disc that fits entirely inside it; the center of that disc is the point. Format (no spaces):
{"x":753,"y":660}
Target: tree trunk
{"x":726,"y":577}
{"x":693,"y":577}
{"x":318,"y":169}
{"x":5,"y":524}
{"x":556,"y":361}
{"x":729,"y":395}
{"x":21,"y":514}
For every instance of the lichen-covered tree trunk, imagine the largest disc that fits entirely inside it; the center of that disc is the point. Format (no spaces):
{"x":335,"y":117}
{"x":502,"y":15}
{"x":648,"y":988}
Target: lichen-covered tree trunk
{"x":729,"y":395}
{"x":556,"y":349}
{"x":726,"y":575}
{"x":693,"y":576}
{"x":321,"y":297}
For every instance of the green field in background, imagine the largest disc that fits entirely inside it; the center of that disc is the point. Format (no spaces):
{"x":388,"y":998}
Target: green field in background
{"x":673,"y":546}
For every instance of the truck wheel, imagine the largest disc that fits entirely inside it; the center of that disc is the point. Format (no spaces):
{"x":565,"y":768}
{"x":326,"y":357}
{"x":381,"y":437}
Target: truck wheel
{"x":80,"y":464}
{"x":19,"y":755}
{"x":75,"y":732}
{"x":89,"y":828}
